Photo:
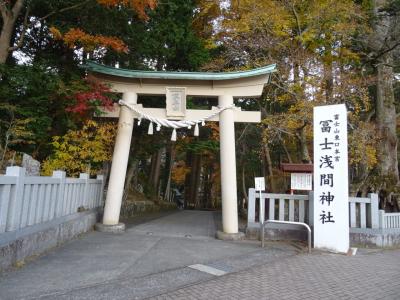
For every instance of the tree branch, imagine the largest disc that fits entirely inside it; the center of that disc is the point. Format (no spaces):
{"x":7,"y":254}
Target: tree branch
{"x":389,"y":49}
{"x":17,"y":8}
{"x":30,"y":25}
{"x":369,"y":116}
{"x":285,"y":89}
{"x":22,"y":35}
{"x":3,"y":10}
{"x":242,"y":134}
{"x":296,"y":16}
{"x":62,"y":10}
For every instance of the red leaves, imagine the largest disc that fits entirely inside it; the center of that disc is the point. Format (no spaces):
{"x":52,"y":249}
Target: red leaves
{"x":93,"y":99}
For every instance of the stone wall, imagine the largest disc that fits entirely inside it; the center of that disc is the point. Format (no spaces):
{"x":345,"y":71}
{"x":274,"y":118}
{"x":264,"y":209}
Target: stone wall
{"x":132,"y":208}
{"x":375,"y":238}
{"x":366,"y":237}
{"x":274,"y":233}
{"x":15,"y":246}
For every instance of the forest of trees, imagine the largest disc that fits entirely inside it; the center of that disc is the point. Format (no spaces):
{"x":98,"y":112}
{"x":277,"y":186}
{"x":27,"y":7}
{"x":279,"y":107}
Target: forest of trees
{"x":326,"y":51}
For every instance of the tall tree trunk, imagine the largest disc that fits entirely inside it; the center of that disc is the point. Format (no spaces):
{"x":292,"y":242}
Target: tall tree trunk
{"x":9,"y":17}
{"x":207,"y":187}
{"x":386,"y":119}
{"x":301,"y":136}
{"x":129,"y":177}
{"x":169,"y":165}
{"x":189,"y":164}
{"x":289,"y":157}
{"x":382,"y":43}
{"x":244,"y":191}
{"x":385,"y":102}
{"x":328,"y":74}
{"x":195,"y":173}
{"x":157,"y":171}
{"x":268,"y":162}
{"x":154,"y":177}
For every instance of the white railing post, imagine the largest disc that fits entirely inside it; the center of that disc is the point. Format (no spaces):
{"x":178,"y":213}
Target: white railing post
{"x":301,"y":211}
{"x":291,"y":210}
{"x":363,"y":216}
{"x":311,"y":208}
{"x":100,"y":199}
{"x":5,"y":192}
{"x":261,"y":217}
{"x":271,"y":212}
{"x":251,"y":207}
{"x":281,"y":210}
{"x":382,"y":223}
{"x":374,"y":217}
{"x":61,"y":175}
{"x":353,"y":215}
{"x":15,"y":206}
{"x":85,"y":199}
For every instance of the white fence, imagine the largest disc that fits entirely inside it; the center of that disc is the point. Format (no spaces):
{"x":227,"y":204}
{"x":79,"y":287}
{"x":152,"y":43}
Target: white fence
{"x":26,"y":200}
{"x":389,"y":220}
{"x":363,"y":212}
{"x":280,"y":207}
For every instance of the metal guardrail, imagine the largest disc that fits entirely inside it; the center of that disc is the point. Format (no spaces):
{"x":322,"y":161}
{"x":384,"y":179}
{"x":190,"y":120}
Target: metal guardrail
{"x":285,"y":222}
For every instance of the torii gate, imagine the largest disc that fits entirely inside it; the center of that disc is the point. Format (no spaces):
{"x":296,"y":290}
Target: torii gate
{"x":176,"y":85}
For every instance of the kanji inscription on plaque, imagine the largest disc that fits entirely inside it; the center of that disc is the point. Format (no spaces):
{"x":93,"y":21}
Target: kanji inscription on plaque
{"x":176,"y":102}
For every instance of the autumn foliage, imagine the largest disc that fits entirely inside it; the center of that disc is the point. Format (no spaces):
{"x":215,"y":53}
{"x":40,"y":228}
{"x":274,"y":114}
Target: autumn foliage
{"x":91,"y":99}
{"x":139,"y":6}
{"x":89,"y":42}
{"x":77,"y":37}
{"x":83,"y":150}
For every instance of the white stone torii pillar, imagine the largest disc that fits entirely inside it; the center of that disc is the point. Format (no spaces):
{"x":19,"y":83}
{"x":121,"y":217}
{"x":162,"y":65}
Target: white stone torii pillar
{"x":228,"y":167}
{"x":119,"y":165}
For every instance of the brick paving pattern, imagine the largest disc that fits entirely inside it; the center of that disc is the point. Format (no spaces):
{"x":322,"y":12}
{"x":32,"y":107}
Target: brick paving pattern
{"x":369,"y":275}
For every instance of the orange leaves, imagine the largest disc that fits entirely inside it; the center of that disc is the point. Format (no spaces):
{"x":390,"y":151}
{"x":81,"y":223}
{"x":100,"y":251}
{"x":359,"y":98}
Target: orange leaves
{"x":214,"y":130}
{"x":139,"y":6}
{"x":77,"y":37}
{"x":179,"y":172}
{"x":57,"y":35}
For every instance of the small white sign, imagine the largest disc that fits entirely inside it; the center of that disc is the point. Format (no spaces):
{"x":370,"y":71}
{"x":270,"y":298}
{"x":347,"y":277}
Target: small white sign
{"x":259,"y":183}
{"x":176,"y":101}
{"x":301,"y":181}
{"x":331,"y":193}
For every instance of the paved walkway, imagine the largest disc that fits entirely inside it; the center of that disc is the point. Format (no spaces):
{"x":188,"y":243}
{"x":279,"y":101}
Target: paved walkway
{"x":177,"y":257}
{"x":147,"y":260}
{"x":317,"y":276}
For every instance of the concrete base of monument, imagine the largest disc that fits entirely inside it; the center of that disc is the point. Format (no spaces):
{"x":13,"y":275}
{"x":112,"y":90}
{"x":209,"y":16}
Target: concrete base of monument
{"x":230,"y":236}
{"x":367,"y":237}
{"x":275,"y":232}
{"x":118,"y":228}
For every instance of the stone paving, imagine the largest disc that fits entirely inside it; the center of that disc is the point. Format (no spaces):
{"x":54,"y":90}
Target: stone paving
{"x":176,"y":256}
{"x":368,"y":275}
{"x":148,"y":259}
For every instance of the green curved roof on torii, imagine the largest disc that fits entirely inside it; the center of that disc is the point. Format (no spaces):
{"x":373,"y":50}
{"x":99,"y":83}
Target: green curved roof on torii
{"x":126,"y":73}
